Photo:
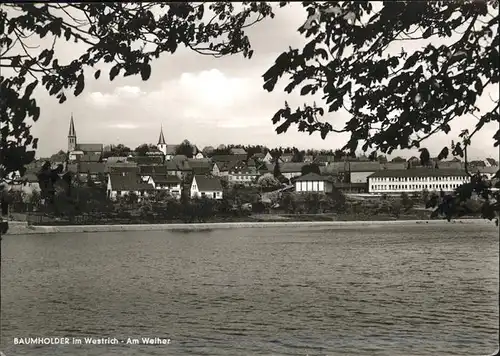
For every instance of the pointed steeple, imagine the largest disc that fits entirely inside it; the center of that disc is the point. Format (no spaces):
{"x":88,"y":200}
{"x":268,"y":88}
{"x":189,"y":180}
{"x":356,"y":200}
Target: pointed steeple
{"x":161,"y":139}
{"x":71,"y":127}
{"x":71,"y":135}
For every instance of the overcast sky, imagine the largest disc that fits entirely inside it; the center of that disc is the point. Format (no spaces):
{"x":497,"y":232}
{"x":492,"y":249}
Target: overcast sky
{"x":206,"y":100}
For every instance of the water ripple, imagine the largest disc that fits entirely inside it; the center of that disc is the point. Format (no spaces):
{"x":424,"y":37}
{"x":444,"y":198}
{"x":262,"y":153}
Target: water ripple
{"x":415,"y":290}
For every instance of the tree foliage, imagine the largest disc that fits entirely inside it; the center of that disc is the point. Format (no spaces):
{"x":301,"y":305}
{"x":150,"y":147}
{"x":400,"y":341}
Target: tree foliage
{"x":268,"y":181}
{"x":48,"y":178}
{"x":185,"y":148}
{"x":119,"y":150}
{"x":127,"y":36}
{"x":277,"y":169}
{"x":298,"y":155}
{"x":310,"y":168}
{"x":60,"y":156}
{"x":143,"y":149}
{"x":395,"y":99}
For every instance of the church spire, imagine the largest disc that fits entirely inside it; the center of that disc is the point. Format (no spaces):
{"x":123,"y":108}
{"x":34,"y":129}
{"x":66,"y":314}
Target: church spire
{"x":161,"y":139}
{"x":72,"y":132}
{"x":71,"y":135}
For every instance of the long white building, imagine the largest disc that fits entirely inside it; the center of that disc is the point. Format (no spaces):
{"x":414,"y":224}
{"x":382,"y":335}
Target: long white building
{"x":416,"y":180}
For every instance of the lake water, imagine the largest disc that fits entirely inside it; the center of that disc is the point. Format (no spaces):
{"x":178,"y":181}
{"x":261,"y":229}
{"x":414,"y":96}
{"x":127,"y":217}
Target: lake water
{"x":400,"y":290}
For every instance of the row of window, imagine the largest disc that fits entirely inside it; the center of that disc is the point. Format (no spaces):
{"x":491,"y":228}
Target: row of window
{"x":413,"y":186}
{"x":212,"y":195}
{"x":310,"y":186}
{"x":417,"y":179}
{"x":139,"y":193}
{"x":242,"y":177}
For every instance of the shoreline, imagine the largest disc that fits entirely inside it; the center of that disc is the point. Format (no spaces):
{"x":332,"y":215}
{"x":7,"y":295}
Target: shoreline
{"x":22,"y":228}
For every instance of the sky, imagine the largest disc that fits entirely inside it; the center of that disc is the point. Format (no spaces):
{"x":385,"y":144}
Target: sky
{"x":209,"y":101}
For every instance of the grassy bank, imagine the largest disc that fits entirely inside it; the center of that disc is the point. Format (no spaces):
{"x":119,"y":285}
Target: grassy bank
{"x":263,"y":217}
{"x":23,"y":228}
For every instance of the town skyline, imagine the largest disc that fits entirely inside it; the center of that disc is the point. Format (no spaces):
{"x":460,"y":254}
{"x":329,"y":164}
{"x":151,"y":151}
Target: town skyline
{"x":397,"y":153}
{"x":402,"y":153}
{"x":210,"y":101}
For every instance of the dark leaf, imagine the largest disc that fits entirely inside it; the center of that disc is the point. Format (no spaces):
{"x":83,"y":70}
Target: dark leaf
{"x":80,"y":84}
{"x":324,"y":131}
{"x":36,"y":113}
{"x":145,"y":71}
{"x":114,"y":72}
{"x":306,"y":89}
{"x":478,"y":86}
{"x":67,"y":33}
{"x":30,"y":88}
{"x":97,"y":74}
{"x":443,"y":154}
{"x":425,"y":157}
{"x":62,"y":98}
{"x":427,"y":33}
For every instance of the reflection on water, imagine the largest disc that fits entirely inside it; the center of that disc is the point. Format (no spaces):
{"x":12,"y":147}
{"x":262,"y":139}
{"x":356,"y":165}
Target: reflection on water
{"x":407,"y":290}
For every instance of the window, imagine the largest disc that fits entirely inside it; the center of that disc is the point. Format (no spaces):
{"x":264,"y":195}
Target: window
{"x":118,"y":192}
{"x":214,"y":195}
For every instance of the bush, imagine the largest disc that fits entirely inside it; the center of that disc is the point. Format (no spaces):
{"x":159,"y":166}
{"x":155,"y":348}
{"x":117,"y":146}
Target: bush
{"x":267,"y":181}
{"x":473,"y":206}
{"x":283,"y":180}
{"x":406,"y":202}
{"x":313,"y":203}
{"x":396,"y":207}
{"x":288,"y":202}
{"x":259,"y":207}
{"x":336,"y":201}
{"x":425,"y":195}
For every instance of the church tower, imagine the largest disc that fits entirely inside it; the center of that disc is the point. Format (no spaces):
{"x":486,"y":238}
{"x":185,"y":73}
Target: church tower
{"x":162,"y":146}
{"x":71,"y":135}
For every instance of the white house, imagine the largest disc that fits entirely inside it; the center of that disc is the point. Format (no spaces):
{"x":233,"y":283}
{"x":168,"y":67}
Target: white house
{"x":242,"y":174}
{"x":268,"y":158}
{"x":314,"y":183}
{"x":208,"y":187}
{"x":220,"y":169}
{"x":416,"y":180}
{"x":166,"y":182}
{"x":121,"y":184}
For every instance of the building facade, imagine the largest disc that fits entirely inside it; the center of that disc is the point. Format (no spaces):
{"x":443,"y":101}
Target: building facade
{"x":206,"y":187}
{"x":314,"y":183}
{"x":416,"y":180}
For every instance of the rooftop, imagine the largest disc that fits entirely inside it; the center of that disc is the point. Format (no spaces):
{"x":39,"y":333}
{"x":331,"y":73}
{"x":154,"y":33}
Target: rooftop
{"x":419,"y":172}
{"x":91,"y":167}
{"x":166,"y":179}
{"x":314,"y":177}
{"x":128,"y":182}
{"x":90,"y":147}
{"x":207,"y":184}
